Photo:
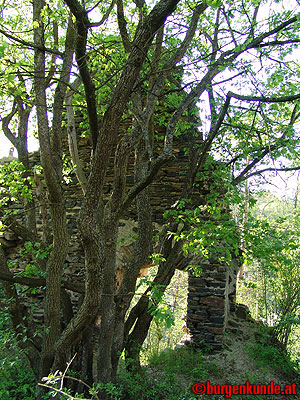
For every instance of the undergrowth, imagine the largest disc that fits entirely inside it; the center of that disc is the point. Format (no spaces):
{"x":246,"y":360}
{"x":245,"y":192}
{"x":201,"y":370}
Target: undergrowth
{"x":267,"y":351}
{"x":16,"y":379}
{"x":169,"y":374}
{"x":265,"y":355}
{"x":181,"y":361}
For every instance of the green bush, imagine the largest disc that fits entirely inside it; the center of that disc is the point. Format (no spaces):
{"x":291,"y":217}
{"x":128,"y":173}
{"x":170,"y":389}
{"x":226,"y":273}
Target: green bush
{"x":17,"y":381}
{"x":16,"y":378}
{"x":265,"y":355}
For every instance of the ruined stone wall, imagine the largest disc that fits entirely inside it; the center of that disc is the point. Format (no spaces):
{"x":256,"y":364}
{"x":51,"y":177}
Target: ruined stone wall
{"x":211,"y":296}
{"x":210,"y":299}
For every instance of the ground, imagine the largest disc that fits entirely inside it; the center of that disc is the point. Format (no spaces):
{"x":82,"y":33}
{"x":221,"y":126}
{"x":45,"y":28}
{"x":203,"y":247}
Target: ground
{"x":248,"y":355}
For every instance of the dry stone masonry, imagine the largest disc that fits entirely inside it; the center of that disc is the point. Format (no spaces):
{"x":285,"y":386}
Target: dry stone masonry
{"x":211,"y":297}
{"x":210,"y":300}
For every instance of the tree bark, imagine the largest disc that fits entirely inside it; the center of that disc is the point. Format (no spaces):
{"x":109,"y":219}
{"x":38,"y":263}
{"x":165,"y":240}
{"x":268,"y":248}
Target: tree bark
{"x":52,"y":172}
{"x":99,"y":235}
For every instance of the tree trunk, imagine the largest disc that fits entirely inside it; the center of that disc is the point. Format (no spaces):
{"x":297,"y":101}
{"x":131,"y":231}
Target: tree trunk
{"x":140,"y":317}
{"x":106,"y":313}
{"x":29,"y":204}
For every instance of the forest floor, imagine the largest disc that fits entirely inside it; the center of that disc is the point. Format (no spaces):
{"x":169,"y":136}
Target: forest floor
{"x":248,"y":355}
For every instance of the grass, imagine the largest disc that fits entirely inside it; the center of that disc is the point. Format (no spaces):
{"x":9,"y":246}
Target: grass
{"x":168,"y":376}
{"x":181,"y":361}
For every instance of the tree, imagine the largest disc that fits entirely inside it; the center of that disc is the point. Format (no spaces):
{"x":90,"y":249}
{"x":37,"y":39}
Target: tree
{"x":272,"y":265}
{"x":176,"y":59}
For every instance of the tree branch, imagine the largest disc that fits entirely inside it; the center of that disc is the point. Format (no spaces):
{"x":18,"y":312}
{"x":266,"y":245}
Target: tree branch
{"x":122,"y":26}
{"x":170,"y":64}
{"x":59,"y":97}
{"x":18,"y":228}
{"x":196,"y":93}
{"x":278,"y":43}
{"x":72,"y":139}
{"x":121,"y":94}
{"x":138,"y":187}
{"x":57,"y":257}
{"x":53,"y":59}
{"x":266,"y":150}
{"x":244,"y":178}
{"x":89,"y":224}
{"x":264,"y":99}
{"x":30,"y":45}
{"x":82,"y":24}
{"x":105,"y":16}
{"x":7,"y":132}
{"x":79,"y":12}
{"x":39,"y":282}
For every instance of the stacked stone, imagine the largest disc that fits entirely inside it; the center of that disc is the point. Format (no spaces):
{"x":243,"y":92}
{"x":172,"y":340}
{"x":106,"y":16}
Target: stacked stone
{"x":165,"y":189}
{"x":206,"y":312}
{"x":210,"y":296}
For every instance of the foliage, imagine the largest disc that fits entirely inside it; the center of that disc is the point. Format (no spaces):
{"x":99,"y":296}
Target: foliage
{"x":148,"y":386}
{"x":211,"y":233}
{"x":14,"y":185}
{"x":16,"y":378}
{"x":16,"y":382}
{"x":182,"y":360}
{"x":163,"y":335}
{"x":157,"y":306}
{"x":209,"y":229}
{"x":145,"y":76}
{"x":265,"y":355}
{"x":270,"y":281}
{"x":170,"y":374}
{"x":35,"y":250}
{"x":267,"y":350}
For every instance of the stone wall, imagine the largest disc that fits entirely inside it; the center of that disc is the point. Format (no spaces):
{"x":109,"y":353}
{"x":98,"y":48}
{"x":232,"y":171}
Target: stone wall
{"x":210,"y":301}
{"x":210,"y":296}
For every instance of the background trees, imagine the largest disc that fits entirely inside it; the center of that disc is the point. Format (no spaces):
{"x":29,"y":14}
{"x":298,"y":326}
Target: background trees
{"x":218,"y":72}
{"x":272,"y":267}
